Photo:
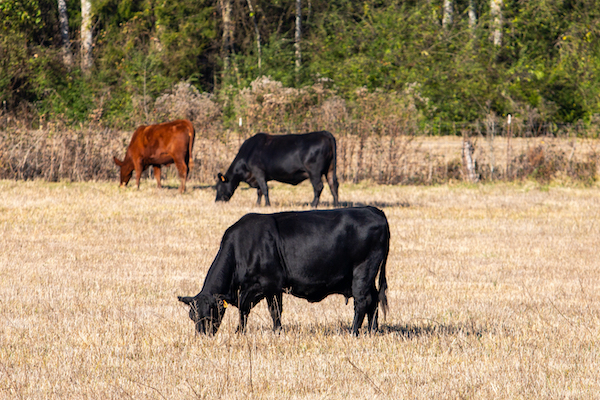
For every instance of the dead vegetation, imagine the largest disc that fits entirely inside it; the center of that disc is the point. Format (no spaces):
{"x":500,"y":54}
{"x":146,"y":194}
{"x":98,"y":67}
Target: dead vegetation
{"x":493,"y":293}
{"x":382,"y":137}
{"x":60,"y":154}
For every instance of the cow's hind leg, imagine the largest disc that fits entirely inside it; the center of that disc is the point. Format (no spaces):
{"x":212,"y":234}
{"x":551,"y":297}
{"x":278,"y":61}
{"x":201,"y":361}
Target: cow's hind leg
{"x":333,"y":185}
{"x":183,"y":169}
{"x":360,"y":311}
{"x":366,"y":297}
{"x":317,"y":184}
{"x":365,"y":304}
{"x":157,"y":175}
{"x":275,"y":308}
{"x":372,"y":310}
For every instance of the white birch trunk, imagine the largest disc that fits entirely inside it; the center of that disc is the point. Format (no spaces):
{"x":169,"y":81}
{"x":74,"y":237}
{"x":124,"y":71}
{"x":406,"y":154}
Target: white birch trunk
{"x":472,"y":14}
{"x":298,"y":36}
{"x":447,"y":17}
{"x":226,"y":14}
{"x":496,"y":13}
{"x":64,"y":33}
{"x":257,"y":32}
{"x":86,"y":35}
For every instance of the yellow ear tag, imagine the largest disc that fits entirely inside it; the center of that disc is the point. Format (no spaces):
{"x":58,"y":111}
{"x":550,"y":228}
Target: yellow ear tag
{"x":225,"y":304}
{"x":222,"y":178}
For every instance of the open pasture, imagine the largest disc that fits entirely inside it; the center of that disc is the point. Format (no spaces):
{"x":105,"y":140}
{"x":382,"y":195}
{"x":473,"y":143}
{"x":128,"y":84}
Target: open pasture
{"x":493,"y":290}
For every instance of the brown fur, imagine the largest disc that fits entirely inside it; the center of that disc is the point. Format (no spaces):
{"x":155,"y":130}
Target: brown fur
{"x":156,"y":145}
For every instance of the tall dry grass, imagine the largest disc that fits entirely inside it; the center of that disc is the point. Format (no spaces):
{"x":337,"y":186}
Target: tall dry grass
{"x":58,"y":153}
{"x":382,"y":137}
{"x":493,"y":290}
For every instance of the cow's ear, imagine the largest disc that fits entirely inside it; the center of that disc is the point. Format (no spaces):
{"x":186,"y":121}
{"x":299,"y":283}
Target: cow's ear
{"x":118,"y":162}
{"x":187,"y":299}
{"x":221,"y":305}
{"x":222,"y":178}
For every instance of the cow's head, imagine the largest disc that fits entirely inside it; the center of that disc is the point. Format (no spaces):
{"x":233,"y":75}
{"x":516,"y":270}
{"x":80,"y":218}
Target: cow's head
{"x":126,"y":170}
{"x":206,"y":311}
{"x":225,"y":188}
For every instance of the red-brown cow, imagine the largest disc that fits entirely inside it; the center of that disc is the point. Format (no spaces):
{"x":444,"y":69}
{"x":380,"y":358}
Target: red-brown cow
{"x":156,"y":145}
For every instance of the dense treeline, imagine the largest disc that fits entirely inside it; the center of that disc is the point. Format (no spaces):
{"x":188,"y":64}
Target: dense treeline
{"x":455,"y":62}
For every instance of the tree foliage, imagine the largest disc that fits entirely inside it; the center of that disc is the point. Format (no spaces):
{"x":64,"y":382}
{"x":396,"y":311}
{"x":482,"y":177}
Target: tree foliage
{"x":548,"y":63}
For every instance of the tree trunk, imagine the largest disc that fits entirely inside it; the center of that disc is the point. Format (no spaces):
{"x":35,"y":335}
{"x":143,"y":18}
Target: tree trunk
{"x":298,"y":35}
{"x":64,"y":33}
{"x":496,"y":13}
{"x":468,"y":162}
{"x":86,"y":35}
{"x":258,"y":49}
{"x":227,"y":36}
{"x":447,"y":17}
{"x":472,"y":14}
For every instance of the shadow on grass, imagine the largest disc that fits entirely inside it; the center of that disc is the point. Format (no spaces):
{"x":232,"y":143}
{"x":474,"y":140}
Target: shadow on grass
{"x":406,"y":331}
{"x":325,"y":205}
{"x":378,"y":204}
{"x":202,"y":187}
{"x":348,"y":204}
{"x":432,"y":328}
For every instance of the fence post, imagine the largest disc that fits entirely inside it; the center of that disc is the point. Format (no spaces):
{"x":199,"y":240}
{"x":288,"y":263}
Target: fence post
{"x":469,"y":164}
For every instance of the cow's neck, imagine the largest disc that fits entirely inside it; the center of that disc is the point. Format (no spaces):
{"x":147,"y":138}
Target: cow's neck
{"x":220,"y":274}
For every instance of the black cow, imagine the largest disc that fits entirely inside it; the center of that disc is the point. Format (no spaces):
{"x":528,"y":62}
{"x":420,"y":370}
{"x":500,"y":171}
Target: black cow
{"x":284,"y":158}
{"x":309,"y":254}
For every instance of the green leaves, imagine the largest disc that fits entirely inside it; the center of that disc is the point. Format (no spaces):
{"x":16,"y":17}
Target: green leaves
{"x":549,"y":60}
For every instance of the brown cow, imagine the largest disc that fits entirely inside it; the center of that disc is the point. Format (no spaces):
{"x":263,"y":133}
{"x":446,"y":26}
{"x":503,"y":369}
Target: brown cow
{"x":156,"y":145}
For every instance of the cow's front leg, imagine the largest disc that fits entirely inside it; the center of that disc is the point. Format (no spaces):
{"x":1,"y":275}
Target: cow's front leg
{"x":275,"y":308}
{"x":243,"y":320}
{"x":264,"y":189}
{"x":139,"y":168}
{"x":157,"y":175}
{"x":317,"y":184}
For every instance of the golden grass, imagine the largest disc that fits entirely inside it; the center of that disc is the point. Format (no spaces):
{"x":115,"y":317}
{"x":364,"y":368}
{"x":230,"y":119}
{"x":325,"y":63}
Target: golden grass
{"x":494,"y":293}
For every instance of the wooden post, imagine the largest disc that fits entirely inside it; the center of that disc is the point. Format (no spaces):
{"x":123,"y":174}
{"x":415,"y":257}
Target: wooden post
{"x":468,"y":162}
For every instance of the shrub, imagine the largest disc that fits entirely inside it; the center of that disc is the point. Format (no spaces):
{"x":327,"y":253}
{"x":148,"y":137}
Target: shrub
{"x":186,"y":102}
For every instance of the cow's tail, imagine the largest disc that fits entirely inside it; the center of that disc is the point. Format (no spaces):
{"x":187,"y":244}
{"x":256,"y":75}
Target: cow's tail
{"x":192,"y":134}
{"x":382,"y":288}
{"x":382,"y":280}
{"x":332,"y":172}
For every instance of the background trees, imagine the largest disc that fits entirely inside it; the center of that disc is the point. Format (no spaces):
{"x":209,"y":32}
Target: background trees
{"x":461,"y":59}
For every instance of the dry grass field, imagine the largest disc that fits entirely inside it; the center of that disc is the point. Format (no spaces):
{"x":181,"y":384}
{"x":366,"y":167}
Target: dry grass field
{"x":494,"y":293}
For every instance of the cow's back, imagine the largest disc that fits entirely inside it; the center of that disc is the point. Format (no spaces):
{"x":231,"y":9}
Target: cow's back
{"x":169,"y":137}
{"x":322,"y":249}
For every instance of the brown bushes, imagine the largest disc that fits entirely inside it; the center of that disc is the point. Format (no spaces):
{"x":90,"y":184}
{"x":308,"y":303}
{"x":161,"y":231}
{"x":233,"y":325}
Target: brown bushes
{"x":75,"y":155}
{"x":86,"y":154}
{"x":378,"y":136}
{"x":546,"y":163}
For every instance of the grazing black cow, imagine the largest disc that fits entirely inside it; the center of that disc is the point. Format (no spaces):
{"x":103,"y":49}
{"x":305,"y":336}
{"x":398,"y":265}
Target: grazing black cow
{"x":284,"y":158}
{"x":309,"y":254}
